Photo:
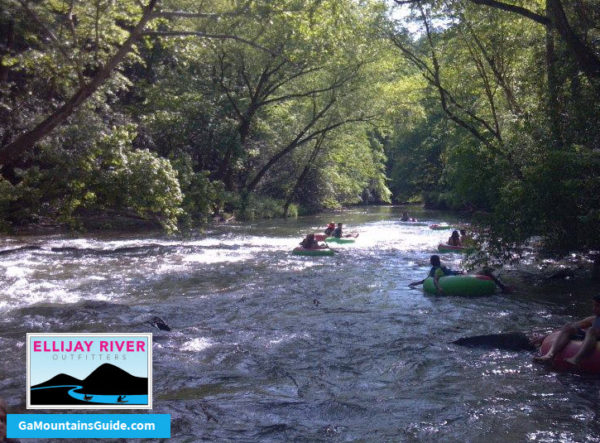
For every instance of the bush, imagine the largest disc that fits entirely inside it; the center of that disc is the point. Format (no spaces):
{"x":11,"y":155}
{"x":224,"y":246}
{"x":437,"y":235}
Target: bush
{"x":558,"y":199}
{"x":201,"y":197}
{"x":102,"y":175}
{"x":253,"y":207}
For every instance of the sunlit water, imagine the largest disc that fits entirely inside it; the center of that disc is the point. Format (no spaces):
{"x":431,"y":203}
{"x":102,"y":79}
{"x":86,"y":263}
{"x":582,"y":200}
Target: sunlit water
{"x":270,"y":346}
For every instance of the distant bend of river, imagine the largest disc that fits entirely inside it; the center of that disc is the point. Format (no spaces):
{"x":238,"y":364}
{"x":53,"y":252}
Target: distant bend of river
{"x":267,"y":346}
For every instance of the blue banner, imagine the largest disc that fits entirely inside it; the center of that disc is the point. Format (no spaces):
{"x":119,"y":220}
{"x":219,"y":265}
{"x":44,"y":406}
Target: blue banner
{"x":88,"y":425}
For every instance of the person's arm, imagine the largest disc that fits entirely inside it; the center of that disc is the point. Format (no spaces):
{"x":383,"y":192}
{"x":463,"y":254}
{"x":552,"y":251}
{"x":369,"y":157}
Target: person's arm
{"x":439,"y":272}
{"x":585,"y":323}
{"x":436,"y":283}
{"x":416,"y":283}
{"x":420,"y":282}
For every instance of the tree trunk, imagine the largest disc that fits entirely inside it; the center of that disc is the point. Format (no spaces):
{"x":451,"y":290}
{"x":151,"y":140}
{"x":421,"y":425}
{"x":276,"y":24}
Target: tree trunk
{"x":311,"y":160}
{"x":588,"y":61}
{"x":10,"y":37}
{"x":553,"y":104}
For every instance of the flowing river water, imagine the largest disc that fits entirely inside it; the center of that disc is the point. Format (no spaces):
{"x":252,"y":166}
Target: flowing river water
{"x":269,"y":346}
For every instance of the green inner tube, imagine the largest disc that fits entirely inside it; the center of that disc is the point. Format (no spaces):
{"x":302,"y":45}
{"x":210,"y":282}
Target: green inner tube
{"x":458,"y":250}
{"x":464,"y":285}
{"x":313,"y":252}
{"x":339,"y":240}
{"x":440,"y":227}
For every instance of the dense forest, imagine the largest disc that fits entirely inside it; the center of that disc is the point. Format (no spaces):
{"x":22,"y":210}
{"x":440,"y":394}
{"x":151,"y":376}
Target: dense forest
{"x":178,"y":111}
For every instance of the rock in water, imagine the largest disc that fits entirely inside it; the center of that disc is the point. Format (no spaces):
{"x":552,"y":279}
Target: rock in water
{"x":510,"y":341}
{"x":159,"y":323}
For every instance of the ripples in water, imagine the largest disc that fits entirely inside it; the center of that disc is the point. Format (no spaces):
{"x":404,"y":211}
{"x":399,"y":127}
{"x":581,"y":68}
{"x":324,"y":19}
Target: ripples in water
{"x":268,"y":346}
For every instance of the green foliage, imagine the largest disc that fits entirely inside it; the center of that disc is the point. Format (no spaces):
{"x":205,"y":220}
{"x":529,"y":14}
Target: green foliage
{"x":147,"y":184}
{"x":517,"y":139}
{"x":176,"y":132}
{"x":264,"y":207}
{"x":356,"y":169}
{"x":118,"y":177}
{"x":202,"y":197}
{"x":302,"y":105}
{"x":415,"y":161}
{"x":558,"y":199}
{"x":8,"y":194}
{"x":106,"y":175}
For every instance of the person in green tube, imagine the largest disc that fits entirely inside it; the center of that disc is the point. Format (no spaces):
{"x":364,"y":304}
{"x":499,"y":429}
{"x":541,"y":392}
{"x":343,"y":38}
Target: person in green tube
{"x":337,"y":233}
{"x":310,"y":242}
{"x":454,"y":239}
{"x":330,"y":228}
{"x":436,"y":271}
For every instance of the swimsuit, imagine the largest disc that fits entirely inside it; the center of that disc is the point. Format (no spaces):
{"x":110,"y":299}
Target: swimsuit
{"x":440,"y":271}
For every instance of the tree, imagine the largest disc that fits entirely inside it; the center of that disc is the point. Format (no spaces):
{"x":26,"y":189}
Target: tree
{"x":514,"y":151}
{"x":104,"y":63}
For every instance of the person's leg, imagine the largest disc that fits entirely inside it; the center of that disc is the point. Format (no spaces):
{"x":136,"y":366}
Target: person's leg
{"x":589,"y":343}
{"x":561,"y":341}
{"x":502,"y":286}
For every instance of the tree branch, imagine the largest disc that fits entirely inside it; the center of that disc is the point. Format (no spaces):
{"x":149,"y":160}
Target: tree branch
{"x":500,"y":78}
{"x":446,"y":99}
{"x":207,"y":35}
{"x":444,"y":93}
{"x":185,"y":14}
{"x":588,"y":61}
{"x":331,"y":87}
{"x":237,"y":111}
{"x":516,"y":9}
{"x":290,"y":147}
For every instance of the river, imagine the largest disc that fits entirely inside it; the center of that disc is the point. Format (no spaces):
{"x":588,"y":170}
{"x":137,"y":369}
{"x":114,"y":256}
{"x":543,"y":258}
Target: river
{"x":268,"y":346}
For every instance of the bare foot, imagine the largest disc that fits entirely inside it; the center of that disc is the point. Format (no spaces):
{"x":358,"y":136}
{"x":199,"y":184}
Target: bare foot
{"x":544,"y":359}
{"x":572,"y":361}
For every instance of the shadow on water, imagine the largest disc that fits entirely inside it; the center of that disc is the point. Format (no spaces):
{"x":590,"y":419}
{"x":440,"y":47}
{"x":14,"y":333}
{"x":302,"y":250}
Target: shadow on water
{"x":268,"y":346}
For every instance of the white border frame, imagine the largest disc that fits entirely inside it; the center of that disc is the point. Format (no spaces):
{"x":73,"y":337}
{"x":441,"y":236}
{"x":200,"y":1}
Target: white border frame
{"x":147,"y":335}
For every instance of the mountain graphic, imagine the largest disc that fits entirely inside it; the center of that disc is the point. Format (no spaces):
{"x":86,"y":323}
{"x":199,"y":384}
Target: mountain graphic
{"x":59,"y":380}
{"x":109,"y":379}
{"x":105,"y":380}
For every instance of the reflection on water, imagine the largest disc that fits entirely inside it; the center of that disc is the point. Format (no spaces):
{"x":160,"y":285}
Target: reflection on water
{"x":269,"y":346}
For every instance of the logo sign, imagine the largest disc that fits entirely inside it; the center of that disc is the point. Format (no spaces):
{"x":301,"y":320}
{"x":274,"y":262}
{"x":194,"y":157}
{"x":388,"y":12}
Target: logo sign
{"x":89,"y":371}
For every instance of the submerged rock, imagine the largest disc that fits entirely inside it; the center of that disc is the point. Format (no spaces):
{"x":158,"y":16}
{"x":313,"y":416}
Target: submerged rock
{"x":510,"y":341}
{"x":159,"y":323}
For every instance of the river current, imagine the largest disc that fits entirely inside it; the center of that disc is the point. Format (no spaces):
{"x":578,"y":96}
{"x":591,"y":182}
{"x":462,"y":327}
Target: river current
{"x":267,"y":346}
